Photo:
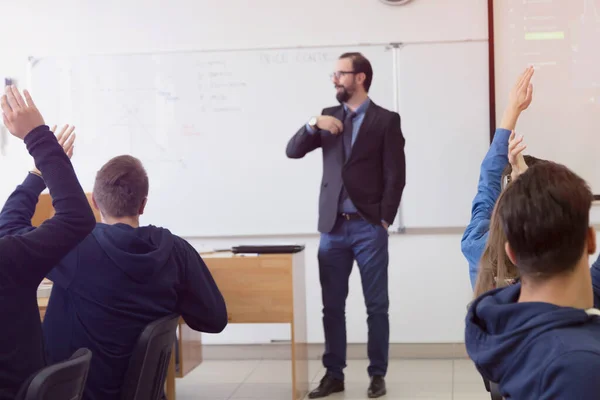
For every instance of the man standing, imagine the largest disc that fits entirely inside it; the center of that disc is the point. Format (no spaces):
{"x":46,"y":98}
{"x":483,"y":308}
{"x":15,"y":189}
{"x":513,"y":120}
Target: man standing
{"x":363,"y":180}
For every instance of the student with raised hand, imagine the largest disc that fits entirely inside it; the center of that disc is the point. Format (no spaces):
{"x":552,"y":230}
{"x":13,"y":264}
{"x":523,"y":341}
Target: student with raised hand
{"x":495,"y":269}
{"x":26,"y":257}
{"x":121,"y":278}
{"x":540,"y":338}
{"x":12,"y":219}
{"x":494,"y":167}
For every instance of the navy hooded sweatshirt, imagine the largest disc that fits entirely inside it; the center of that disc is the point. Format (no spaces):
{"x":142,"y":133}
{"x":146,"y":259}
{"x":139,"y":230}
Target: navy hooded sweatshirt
{"x":26,"y":257}
{"x":534,"y":350}
{"x":117,"y":281}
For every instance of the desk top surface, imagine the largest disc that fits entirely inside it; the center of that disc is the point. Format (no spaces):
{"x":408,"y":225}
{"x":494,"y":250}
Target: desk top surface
{"x":45,"y":287}
{"x":229,"y":254}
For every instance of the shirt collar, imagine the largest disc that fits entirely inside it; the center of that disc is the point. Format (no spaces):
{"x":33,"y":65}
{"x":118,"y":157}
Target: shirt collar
{"x":362,"y":108}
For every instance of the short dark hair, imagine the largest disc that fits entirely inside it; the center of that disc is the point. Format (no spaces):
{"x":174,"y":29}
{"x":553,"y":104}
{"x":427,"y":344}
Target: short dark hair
{"x":121,"y":187}
{"x":545,"y":217}
{"x":361,"y":64}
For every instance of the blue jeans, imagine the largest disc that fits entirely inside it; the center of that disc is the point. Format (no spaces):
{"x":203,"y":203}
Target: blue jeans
{"x":367,"y":244}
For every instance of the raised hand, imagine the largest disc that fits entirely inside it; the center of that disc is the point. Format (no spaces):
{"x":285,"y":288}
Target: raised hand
{"x":66,"y":138}
{"x":515,"y":155}
{"x":21,"y":116}
{"x":522,"y":93}
{"x":519,"y":99}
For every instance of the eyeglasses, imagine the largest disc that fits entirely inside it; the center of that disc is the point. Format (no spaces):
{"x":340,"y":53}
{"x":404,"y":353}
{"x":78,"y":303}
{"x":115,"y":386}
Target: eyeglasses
{"x":339,"y":74}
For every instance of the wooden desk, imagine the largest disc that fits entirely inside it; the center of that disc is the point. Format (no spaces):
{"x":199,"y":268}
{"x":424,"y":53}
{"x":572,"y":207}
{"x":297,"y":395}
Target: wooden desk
{"x":44,"y":209}
{"x":42,"y":305}
{"x":261,"y":289}
{"x":264,"y":289}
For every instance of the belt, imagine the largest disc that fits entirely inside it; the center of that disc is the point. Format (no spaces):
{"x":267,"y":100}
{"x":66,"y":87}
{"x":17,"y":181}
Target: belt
{"x":350,"y":216}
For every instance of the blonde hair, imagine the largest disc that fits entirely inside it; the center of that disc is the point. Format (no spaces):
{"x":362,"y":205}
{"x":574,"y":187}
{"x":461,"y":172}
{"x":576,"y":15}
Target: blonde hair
{"x":495,"y":268}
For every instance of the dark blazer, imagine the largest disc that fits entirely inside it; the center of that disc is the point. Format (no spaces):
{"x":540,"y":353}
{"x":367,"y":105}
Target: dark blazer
{"x":375,"y":173}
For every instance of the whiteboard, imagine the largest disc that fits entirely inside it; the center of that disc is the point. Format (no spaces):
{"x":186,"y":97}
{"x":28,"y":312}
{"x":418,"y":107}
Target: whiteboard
{"x":444,"y":104}
{"x":210,"y":127}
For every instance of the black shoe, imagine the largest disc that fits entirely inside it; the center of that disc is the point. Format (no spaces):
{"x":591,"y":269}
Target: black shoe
{"x":377,"y":387}
{"x":327,"y":386}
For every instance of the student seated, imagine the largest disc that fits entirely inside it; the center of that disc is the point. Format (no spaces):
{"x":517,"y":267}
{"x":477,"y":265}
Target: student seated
{"x":120,"y":278}
{"x":501,"y":165}
{"x":494,"y":268}
{"x":25,"y":258}
{"x":540,"y":338}
{"x":483,"y":240}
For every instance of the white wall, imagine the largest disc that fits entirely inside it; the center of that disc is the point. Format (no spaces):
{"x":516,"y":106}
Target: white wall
{"x":428,"y":276}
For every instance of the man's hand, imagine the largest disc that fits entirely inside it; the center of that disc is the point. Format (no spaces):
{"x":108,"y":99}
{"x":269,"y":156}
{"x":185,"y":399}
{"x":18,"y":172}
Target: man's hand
{"x":515,"y":155}
{"x":385,"y":224}
{"x":329,"y":123}
{"x":66,"y":138}
{"x":20,"y":116}
{"x":519,"y":99}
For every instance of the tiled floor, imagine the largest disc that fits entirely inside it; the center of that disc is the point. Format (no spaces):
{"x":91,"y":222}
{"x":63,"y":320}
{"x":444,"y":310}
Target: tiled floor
{"x":271,"y":380}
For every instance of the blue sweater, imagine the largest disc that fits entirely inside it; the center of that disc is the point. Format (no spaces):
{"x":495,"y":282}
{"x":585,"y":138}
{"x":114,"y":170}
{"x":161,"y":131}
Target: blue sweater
{"x":25,"y":258}
{"x":117,"y":281}
{"x":488,"y":191}
{"x":534,"y":350}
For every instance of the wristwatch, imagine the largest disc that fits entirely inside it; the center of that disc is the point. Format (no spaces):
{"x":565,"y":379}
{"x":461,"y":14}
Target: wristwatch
{"x":313,"y":122}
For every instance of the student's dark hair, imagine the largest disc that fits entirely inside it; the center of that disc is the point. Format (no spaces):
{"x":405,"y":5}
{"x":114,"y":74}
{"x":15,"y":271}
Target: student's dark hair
{"x":495,"y":268}
{"x":121,"y":187}
{"x":545,"y":217}
{"x":529,"y":160}
{"x":361,"y":64}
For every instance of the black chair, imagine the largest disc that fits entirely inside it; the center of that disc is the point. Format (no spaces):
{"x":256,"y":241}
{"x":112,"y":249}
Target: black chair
{"x":493,"y":388}
{"x":145,"y":377}
{"x":495,"y":391}
{"x":65,"y":380}
{"x":487,"y":384}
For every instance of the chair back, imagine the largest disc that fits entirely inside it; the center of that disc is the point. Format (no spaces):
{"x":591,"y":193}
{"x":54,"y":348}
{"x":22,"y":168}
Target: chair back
{"x":65,"y":380}
{"x":147,"y":371}
{"x":495,"y":391}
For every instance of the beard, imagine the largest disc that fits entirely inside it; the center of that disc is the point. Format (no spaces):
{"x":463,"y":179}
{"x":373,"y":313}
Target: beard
{"x":343,"y":94}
